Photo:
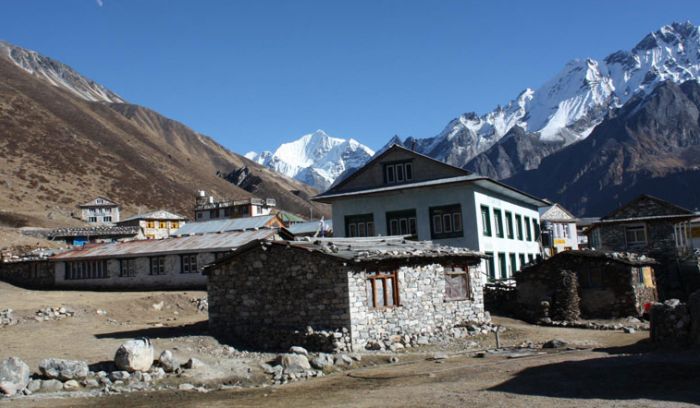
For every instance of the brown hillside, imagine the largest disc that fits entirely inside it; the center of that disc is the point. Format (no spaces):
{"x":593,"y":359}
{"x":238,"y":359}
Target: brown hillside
{"x":57,"y":150}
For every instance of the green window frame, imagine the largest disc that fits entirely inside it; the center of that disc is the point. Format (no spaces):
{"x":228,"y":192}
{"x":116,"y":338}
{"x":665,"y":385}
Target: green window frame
{"x":528,"y":229}
{"x":509,"y":225}
{"x":497,"y":215}
{"x":519,"y":226}
{"x":502,"y":265}
{"x":522,"y":260}
{"x":486,"y":220}
{"x":513,"y":264}
{"x":490,"y":266}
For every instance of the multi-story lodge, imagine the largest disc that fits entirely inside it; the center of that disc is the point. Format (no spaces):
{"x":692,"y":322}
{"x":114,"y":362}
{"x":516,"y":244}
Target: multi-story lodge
{"x":155,"y":224}
{"x":401,"y":192}
{"x":559,"y":232}
{"x":99,"y":211}
{"x":207,"y":208}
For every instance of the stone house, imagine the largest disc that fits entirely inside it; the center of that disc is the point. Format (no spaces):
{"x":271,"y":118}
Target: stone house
{"x":171,"y":263}
{"x":558,"y":228}
{"x":100,"y":211}
{"x":605,"y":285}
{"x":270,"y":294}
{"x":155,"y":224}
{"x":659,"y":229}
{"x":401,"y":192}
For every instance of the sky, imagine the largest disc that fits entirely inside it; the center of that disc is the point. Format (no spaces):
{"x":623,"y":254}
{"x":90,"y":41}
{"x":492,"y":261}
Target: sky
{"x":255,"y":74}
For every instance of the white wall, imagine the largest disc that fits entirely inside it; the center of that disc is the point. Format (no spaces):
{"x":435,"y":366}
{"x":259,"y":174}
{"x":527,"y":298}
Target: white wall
{"x":421,"y":199}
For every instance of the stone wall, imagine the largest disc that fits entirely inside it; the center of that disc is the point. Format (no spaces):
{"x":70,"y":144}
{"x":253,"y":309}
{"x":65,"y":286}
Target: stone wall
{"x":618,"y":293}
{"x":36,"y":274}
{"x":660,"y":239}
{"x":423,"y":309}
{"x":270,"y":298}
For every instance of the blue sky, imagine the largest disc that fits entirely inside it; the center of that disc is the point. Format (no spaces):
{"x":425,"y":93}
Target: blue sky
{"x":253,"y":74}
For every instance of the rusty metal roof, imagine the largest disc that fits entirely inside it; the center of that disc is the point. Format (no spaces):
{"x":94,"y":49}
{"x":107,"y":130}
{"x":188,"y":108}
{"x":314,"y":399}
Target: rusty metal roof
{"x":211,"y":242}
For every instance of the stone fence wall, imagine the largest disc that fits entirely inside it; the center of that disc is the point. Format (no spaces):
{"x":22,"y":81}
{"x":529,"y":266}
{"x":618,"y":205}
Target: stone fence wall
{"x":35,"y":274}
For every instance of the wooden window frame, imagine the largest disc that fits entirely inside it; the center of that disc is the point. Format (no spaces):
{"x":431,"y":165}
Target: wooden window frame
{"x":373,"y":277}
{"x":127,"y":268}
{"x":160,"y":269}
{"x":486,"y":221}
{"x":636,"y":227}
{"x":444,"y":216}
{"x":186,"y":263}
{"x":466,"y":273}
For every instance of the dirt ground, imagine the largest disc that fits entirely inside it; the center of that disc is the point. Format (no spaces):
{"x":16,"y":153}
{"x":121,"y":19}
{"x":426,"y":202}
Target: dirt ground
{"x":602,"y":368}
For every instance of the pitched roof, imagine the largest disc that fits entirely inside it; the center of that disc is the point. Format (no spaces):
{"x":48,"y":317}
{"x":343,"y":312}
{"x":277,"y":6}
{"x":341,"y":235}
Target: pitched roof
{"x":94,"y":203}
{"x":628,"y":258}
{"x":212,"y":242}
{"x":673,"y":210}
{"x":370,"y":250}
{"x":225,"y":225}
{"x":380,"y":156}
{"x":309,"y":227}
{"x":484,"y":182}
{"x":549,"y":213}
{"x":155,"y":215}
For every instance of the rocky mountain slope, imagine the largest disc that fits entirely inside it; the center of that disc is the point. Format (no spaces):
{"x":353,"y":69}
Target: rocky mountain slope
{"x":567,"y":107}
{"x":66,"y":139}
{"x":316,"y":159}
{"x":650,"y":145}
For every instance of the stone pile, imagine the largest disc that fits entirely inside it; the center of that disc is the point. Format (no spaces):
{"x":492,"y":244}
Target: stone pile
{"x":632,"y":323}
{"x":670,"y":323}
{"x":299,"y":364}
{"x":53,"y":313}
{"x":6,"y":318}
{"x":201,"y":303}
{"x":399,"y":342}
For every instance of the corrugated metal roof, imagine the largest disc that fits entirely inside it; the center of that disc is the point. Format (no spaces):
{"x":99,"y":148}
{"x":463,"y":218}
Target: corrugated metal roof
{"x":230,"y":224}
{"x":224,"y":241}
{"x":155,"y":215}
{"x":309,"y":227}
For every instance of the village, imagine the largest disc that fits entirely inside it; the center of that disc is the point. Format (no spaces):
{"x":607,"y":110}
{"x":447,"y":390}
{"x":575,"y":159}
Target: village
{"x":421,"y":265}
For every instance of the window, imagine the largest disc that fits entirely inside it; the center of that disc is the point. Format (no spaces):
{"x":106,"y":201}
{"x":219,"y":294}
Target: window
{"x":175,"y":225}
{"x":127,"y":268}
{"x":490,"y":266}
{"x":150,"y":224}
{"x":86,"y":270}
{"x":528,"y":230}
{"x":107,"y":218}
{"x":521,"y":258}
{"x":530,"y":257}
{"x":457,"y":283}
{"x":188,"y":263}
{"x":486,"y":220}
{"x":636,"y":235}
{"x":446,"y":222}
{"x":591,"y":278}
{"x":382,"y":289}
{"x":509,"y":225}
{"x":200,"y":215}
{"x":359,"y":225}
{"x":92,"y":219}
{"x":163,"y":225}
{"x":401,"y":222}
{"x":536,"y":228}
{"x":398,"y":172}
{"x":158,"y":265}
{"x":213,"y":213}
{"x":498,"y":222}
{"x":99,"y":201}
{"x":519,"y":226}
{"x":513,"y":264}
{"x":502,"y":265}
{"x":220,"y":255}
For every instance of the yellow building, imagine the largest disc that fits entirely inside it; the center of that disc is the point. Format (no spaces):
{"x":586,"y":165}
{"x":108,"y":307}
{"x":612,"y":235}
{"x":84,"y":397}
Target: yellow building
{"x":156,"y":224}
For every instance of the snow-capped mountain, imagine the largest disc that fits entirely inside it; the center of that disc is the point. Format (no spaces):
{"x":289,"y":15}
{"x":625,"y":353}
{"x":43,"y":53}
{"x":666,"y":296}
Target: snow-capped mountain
{"x":315,"y":159}
{"x":57,"y":74}
{"x":567,"y":107}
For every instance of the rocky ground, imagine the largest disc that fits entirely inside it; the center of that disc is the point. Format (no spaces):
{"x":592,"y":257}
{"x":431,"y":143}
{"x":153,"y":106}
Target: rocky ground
{"x":588,"y":366}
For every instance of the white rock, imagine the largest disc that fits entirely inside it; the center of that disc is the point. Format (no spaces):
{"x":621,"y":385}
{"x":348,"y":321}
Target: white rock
{"x":134,"y":355}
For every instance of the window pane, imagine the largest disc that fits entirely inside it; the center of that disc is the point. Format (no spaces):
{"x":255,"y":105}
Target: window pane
{"x":352,"y":232}
{"x":409,"y":171}
{"x":399,"y":172}
{"x":370,"y":229}
{"x":361,"y":231}
{"x":437,"y":224}
{"x":390,"y":173}
{"x":389,"y":292}
{"x":370,"y":294}
{"x":394,"y":227}
{"x":412,"y":226}
{"x":457,"y":221}
{"x":447,"y":223}
{"x":403,"y":223}
{"x":379,"y":285}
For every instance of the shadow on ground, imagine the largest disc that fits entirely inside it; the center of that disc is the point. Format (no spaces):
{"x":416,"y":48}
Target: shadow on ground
{"x":194,"y":329}
{"x":631,"y":372}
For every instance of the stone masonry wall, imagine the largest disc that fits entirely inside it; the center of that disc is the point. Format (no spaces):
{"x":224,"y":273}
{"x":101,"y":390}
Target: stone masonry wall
{"x":271,"y":298}
{"x":38,"y":274}
{"x":422,"y":310}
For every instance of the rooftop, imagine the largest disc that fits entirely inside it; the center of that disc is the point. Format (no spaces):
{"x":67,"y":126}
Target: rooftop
{"x":156,"y":215}
{"x":97,"y":231}
{"x":309,"y":227}
{"x":629,"y":258}
{"x":212,"y":242}
{"x":225,"y":225}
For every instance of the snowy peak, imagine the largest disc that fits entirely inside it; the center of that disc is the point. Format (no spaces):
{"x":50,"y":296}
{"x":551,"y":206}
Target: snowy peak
{"x":57,"y":74}
{"x":568,"y":106}
{"x":316,"y":158}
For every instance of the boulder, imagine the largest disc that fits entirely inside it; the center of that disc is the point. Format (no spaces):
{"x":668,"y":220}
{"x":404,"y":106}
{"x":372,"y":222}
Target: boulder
{"x":64,"y":370}
{"x":343,"y":359}
{"x":294,"y":362}
{"x":299,"y":350}
{"x":34,"y":385}
{"x":14,"y":376}
{"x":554,"y":343}
{"x":119,"y":375}
{"x":71,"y":385}
{"x":51,"y":385}
{"x":134,"y":355}
{"x":322,"y":361}
{"x":185,"y":387}
{"x":194,"y":363}
{"x":168,"y":361}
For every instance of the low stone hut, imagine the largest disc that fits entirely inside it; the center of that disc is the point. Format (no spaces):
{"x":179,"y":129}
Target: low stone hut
{"x":342,"y":293}
{"x":587,"y":283}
